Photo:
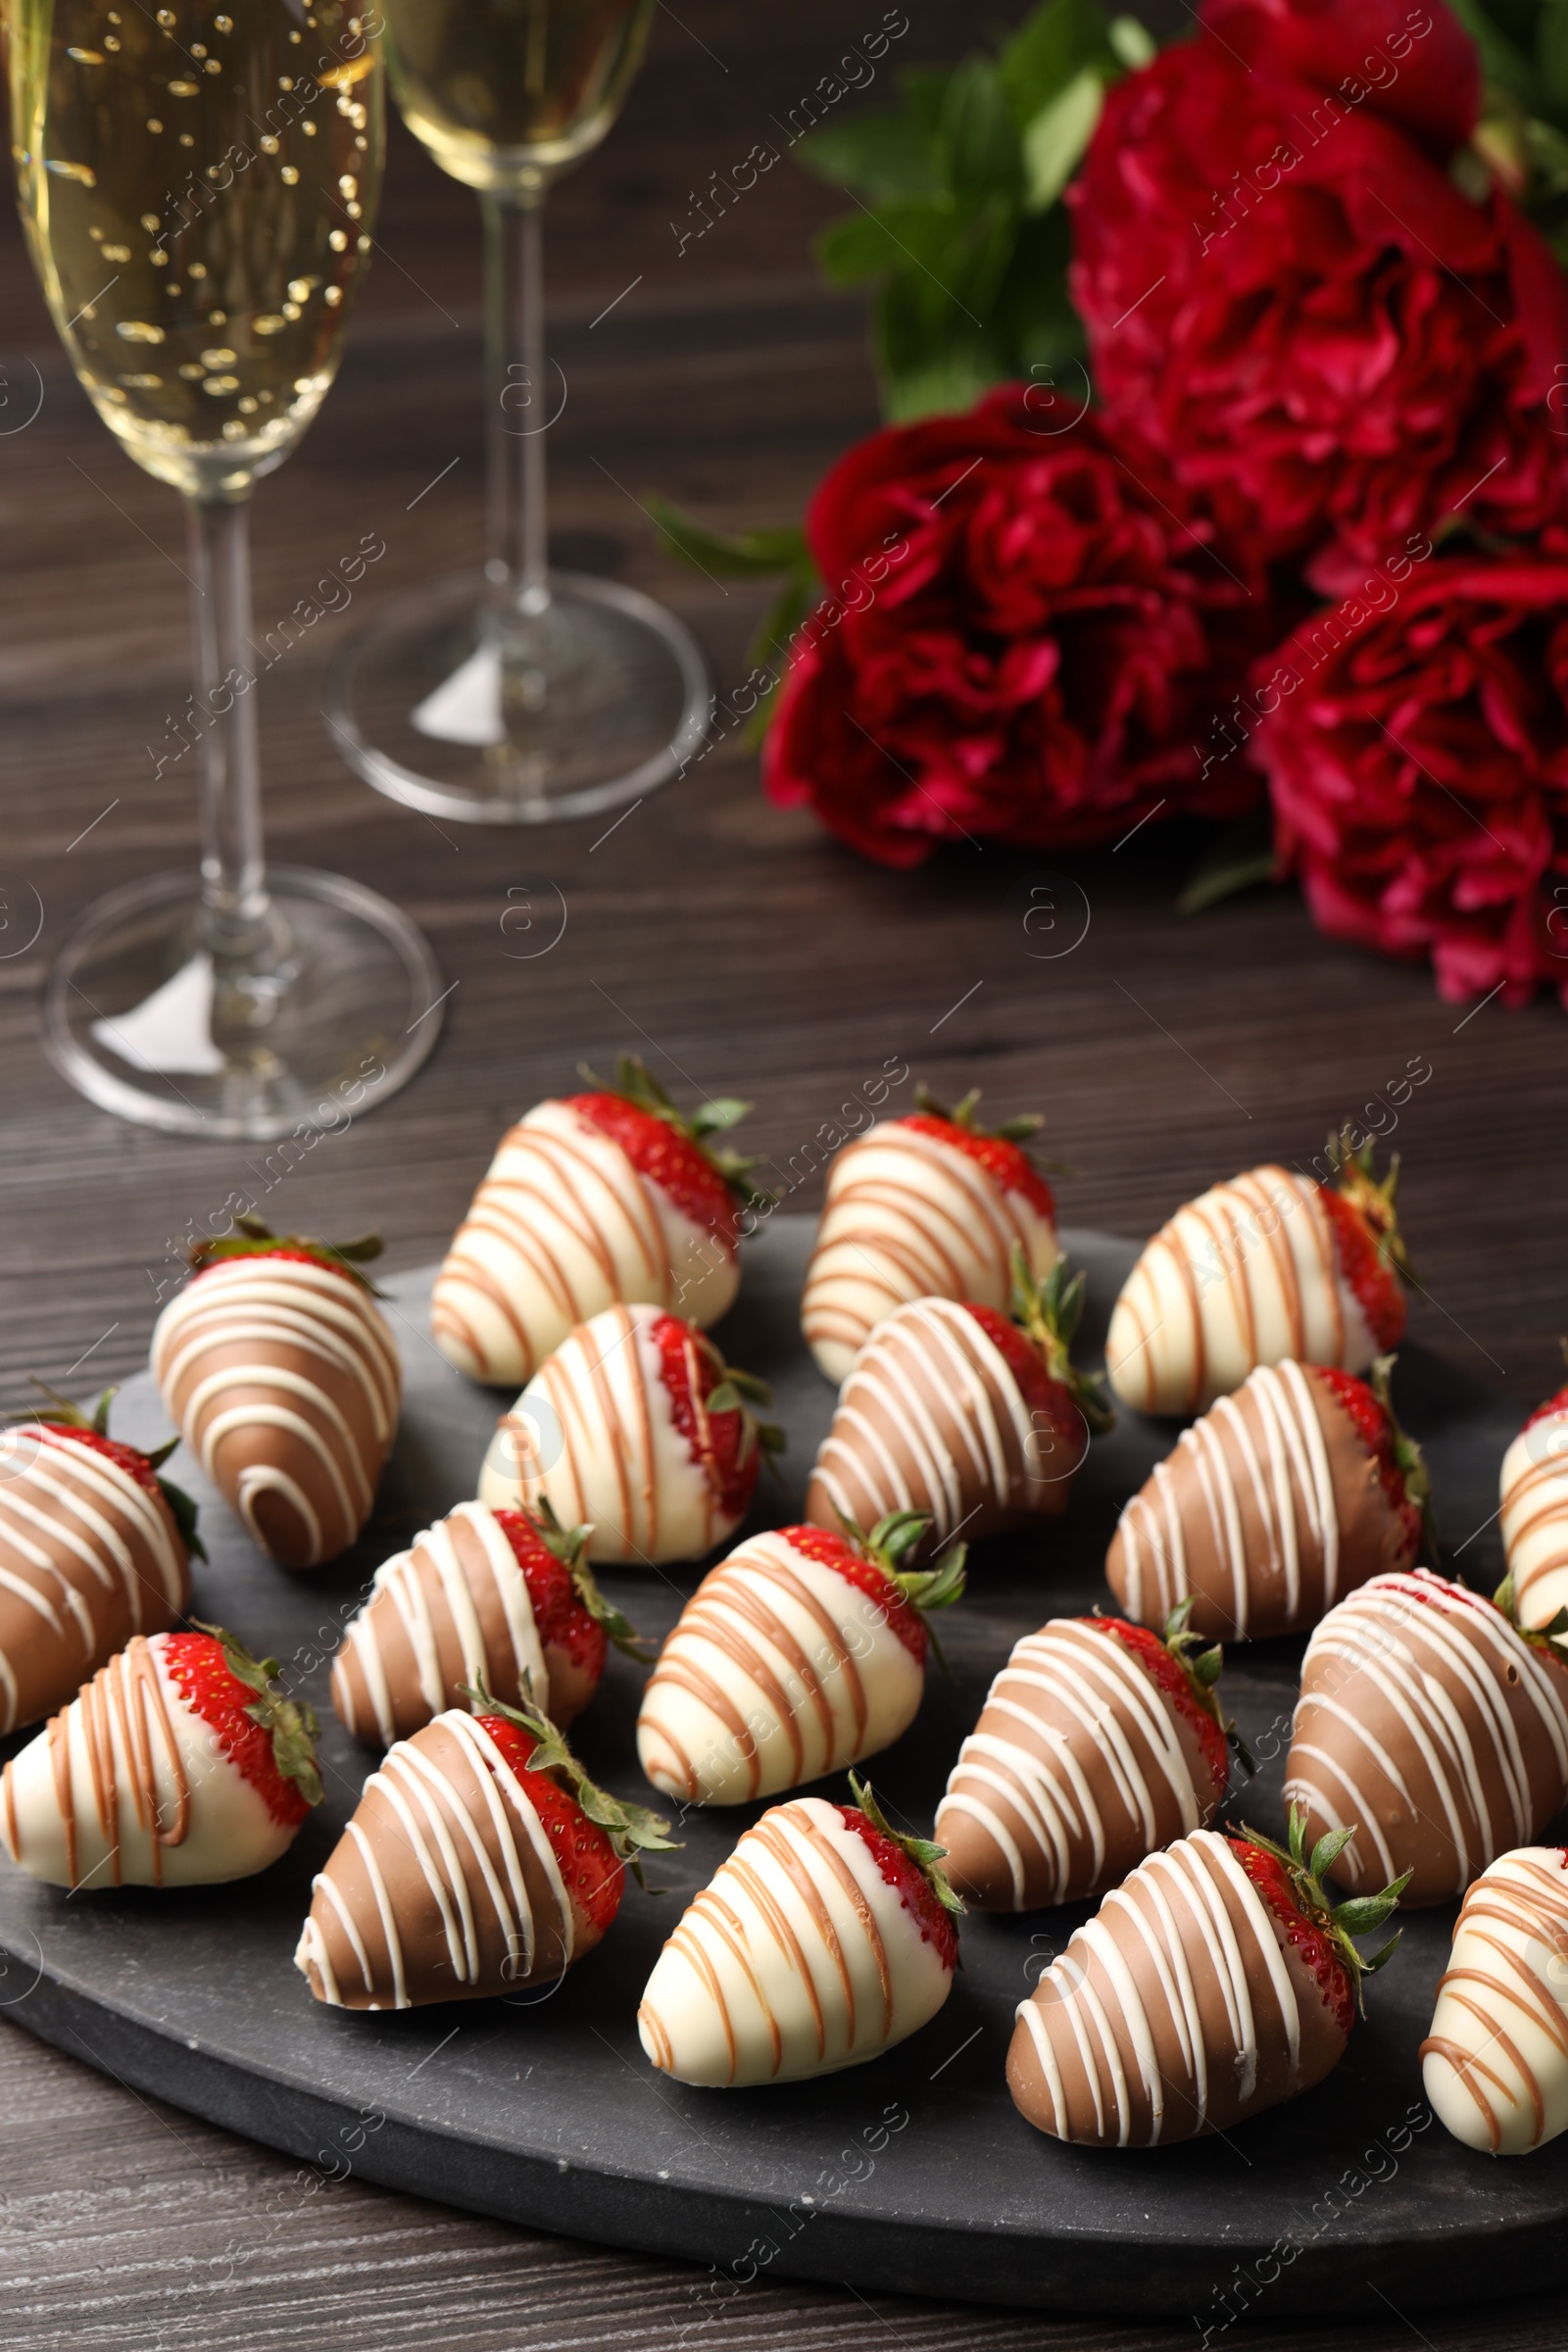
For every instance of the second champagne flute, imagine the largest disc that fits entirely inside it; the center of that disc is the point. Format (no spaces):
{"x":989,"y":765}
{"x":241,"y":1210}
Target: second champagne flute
{"x":521,"y":694}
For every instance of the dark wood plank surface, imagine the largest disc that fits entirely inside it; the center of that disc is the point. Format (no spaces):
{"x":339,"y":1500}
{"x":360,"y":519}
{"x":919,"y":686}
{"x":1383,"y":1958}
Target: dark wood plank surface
{"x":730,"y":942}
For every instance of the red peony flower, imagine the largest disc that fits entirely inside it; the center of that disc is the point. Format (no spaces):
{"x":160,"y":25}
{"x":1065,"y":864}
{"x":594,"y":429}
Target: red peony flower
{"x":1417,"y":66}
{"x":1021,"y":640}
{"x":1295,"y":309}
{"x":1420,"y":775}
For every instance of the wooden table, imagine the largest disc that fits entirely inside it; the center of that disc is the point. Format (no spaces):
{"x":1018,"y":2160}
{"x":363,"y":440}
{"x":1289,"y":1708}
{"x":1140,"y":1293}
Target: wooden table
{"x":730,"y":942}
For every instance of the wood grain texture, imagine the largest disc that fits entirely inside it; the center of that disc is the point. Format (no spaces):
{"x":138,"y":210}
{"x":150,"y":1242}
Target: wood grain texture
{"x":731,"y":943}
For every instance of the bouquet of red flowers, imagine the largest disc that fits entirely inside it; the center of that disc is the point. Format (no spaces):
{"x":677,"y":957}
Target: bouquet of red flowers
{"x":1276,"y":503}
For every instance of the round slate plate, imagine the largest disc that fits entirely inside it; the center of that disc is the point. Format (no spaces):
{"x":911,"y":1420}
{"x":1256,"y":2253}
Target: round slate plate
{"x":913,"y":2173}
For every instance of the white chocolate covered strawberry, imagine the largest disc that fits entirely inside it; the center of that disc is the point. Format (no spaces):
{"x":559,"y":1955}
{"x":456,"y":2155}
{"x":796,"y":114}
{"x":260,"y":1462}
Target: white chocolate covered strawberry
{"x":1494,"y":2065}
{"x":801,"y":1654}
{"x":95,"y":1546}
{"x":1535,"y":1513}
{"x":931,"y":1206}
{"x":480,"y":1859}
{"x":504,"y":1599}
{"x":181,"y":1764}
{"x":282,"y":1375}
{"x":1217,"y":1981}
{"x":824,"y":1940}
{"x":637,"y":1431}
{"x":1270,"y":1266}
{"x":602,"y":1197}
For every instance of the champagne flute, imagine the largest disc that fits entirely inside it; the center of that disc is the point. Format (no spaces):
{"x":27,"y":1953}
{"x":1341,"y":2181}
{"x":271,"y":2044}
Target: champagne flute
{"x":197,"y":182}
{"x":522,"y":694}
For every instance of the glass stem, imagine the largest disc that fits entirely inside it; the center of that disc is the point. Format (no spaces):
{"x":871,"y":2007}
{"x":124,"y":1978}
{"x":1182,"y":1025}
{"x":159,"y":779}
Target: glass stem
{"x":234,"y":903}
{"x":518,"y":389}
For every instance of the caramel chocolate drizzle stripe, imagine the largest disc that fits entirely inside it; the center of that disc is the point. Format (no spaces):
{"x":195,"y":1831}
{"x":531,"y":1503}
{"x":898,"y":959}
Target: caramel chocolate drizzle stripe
{"x":126,"y":1696}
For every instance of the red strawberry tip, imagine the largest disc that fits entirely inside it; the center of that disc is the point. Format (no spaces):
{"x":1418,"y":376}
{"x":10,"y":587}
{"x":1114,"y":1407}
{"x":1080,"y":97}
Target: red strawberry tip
{"x":1305,"y":1876}
{"x":632,"y":1830}
{"x":926,"y":1856}
{"x":290,"y":1723}
{"x":71,"y":1421}
{"x":254,"y":1238}
{"x":537,"y":1523}
{"x":1357,"y":1182}
{"x":1047,"y":1313}
{"x":636,"y":1084}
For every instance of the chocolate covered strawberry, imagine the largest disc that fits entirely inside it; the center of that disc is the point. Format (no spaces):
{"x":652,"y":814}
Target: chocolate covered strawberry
{"x":1272,"y":1266}
{"x":1535,"y":1513}
{"x":605,"y":1196}
{"x":181,"y":1764}
{"x":283,"y":1377}
{"x":931,"y":1206}
{"x":954,"y":1409}
{"x":1276,"y":1503}
{"x":1431,"y":1729}
{"x":637,"y":1431}
{"x":1098,"y":1742}
{"x":825,"y":1939}
{"x":1218,"y":1981}
{"x":502,"y":1597}
{"x":1494,"y":2065}
{"x":801,"y":1654}
{"x":95,"y":1546}
{"x":480,"y":1859}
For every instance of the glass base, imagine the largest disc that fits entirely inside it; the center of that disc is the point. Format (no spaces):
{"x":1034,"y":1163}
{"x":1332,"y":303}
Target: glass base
{"x":336,"y":1012}
{"x":605,"y":698}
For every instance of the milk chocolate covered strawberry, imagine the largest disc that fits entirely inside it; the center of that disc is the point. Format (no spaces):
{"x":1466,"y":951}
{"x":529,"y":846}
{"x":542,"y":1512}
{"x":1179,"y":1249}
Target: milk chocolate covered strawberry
{"x":1276,"y":1503}
{"x":504,"y":1599}
{"x":801,"y":1653}
{"x":95,"y":1546}
{"x":1098,"y":1742}
{"x":1218,"y":1981}
{"x":181,"y":1764}
{"x":1431,"y":1729}
{"x":637,"y":1431}
{"x":977,"y":1418}
{"x":1270,"y":1266}
{"x":605,"y":1196}
{"x":480,"y":1859}
{"x":825,"y":1939}
{"x":279,"y":1369}
{"x":931,"y":1206}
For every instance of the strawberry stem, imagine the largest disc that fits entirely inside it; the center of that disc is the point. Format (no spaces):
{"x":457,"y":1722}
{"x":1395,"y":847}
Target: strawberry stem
{"x":636,"y":1084}
{"x":182,"y":1508}
{"x":1339,"y":1922}
{"x":1551,"y":1639}
{"x":256,"y":1239}
{"x":1408,"y":1456}
{"x":291,"y":1722}
{"x":1047,"y":1313}
{"x":1356,"y":1180}
{"x":926,"y":1856}
{"x":632,"y":1830}
{"x":1203,"y":1673}
{"x":570,"y":1545}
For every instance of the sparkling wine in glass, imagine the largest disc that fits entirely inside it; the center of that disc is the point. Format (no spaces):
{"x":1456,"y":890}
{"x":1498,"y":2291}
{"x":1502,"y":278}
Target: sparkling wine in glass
{"x":520,"y":694}
{"x":197,"y":185}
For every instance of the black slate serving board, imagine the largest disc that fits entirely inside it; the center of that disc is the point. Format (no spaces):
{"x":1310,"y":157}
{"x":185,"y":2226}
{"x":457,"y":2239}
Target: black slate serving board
{"x":913,"y":2173}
